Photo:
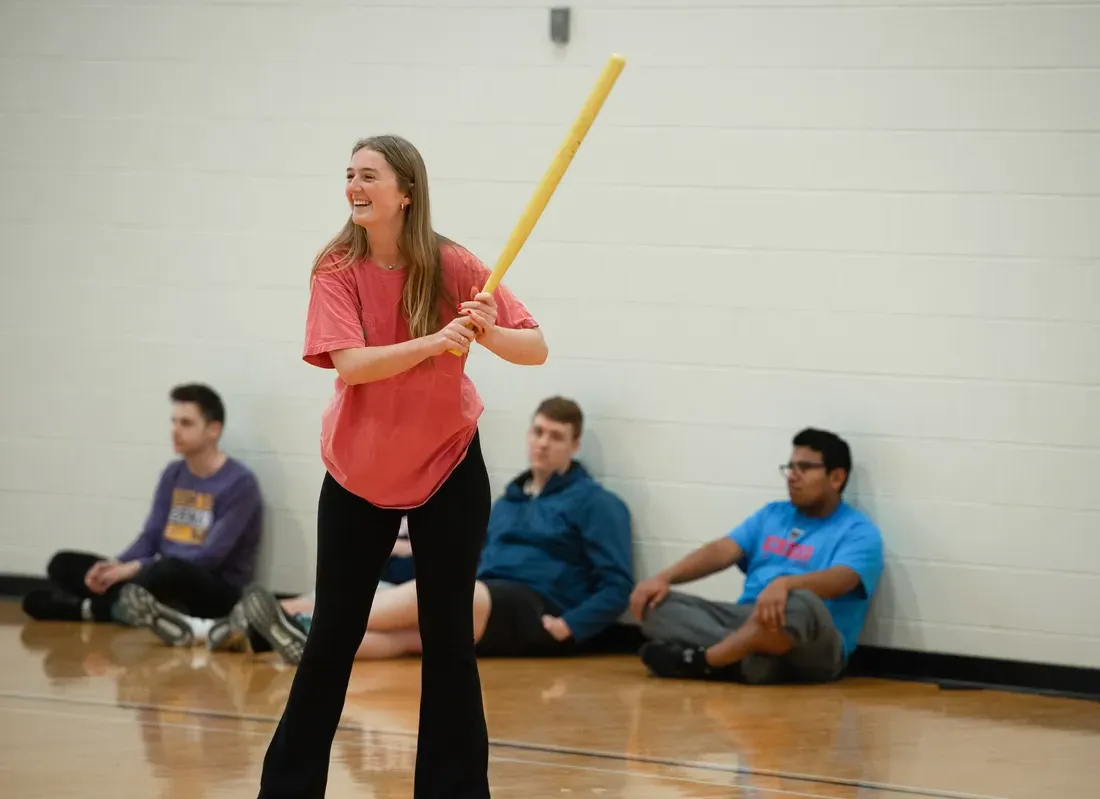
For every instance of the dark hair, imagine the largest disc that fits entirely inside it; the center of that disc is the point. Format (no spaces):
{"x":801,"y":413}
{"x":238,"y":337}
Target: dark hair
{"x":210,"y":404}
{"x":563,"y":411}
{"x":834,"y":450}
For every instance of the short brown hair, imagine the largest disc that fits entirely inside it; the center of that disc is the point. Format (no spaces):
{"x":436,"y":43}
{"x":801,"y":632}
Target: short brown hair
{"x":563,"y":411}
{"x":210,"y":404}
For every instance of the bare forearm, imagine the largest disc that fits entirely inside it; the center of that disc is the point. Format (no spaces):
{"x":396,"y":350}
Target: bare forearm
{"x":827,"y":583}
{"x":714,"y":557}
{"x":525,"y":347}
{"x":369,"y":364}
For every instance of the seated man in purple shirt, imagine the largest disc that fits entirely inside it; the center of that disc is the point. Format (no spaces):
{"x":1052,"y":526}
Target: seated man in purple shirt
{"x":198,"y":546}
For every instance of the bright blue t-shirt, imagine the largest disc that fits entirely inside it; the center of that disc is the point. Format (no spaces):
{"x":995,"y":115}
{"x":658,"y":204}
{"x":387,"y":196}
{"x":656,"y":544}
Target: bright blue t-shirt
{"x":779,"y":540}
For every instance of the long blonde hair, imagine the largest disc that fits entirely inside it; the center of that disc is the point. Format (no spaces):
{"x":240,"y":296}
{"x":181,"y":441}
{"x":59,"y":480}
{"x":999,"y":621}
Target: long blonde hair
{"x":424,"y":294}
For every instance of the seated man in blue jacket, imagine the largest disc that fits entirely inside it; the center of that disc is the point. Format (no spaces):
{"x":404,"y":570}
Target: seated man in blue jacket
{"x":556,"y":570}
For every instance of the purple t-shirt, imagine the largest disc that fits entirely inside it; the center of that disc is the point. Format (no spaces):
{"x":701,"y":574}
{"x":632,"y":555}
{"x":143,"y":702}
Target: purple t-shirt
{"x":213,"y":522}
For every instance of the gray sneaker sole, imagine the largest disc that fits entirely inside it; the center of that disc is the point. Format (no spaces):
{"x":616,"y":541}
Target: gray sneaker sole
{"x":143,"y":610}
{"x":229,"y":634}
{"x":266,"y":617}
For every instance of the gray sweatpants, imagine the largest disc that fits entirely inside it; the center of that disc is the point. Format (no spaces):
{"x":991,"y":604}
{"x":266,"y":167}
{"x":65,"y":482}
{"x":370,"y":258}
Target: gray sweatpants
{"x":817,"y":655}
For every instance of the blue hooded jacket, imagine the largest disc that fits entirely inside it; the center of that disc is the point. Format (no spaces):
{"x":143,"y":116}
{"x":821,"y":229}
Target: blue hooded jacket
{"x":571,"y":544}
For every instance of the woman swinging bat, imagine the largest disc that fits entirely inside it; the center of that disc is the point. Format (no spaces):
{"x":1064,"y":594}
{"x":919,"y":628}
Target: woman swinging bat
{"x":390,"y":302}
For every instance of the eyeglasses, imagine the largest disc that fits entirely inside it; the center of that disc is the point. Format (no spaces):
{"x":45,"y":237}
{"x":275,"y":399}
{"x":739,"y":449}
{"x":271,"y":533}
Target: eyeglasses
{"x":799,"y":467}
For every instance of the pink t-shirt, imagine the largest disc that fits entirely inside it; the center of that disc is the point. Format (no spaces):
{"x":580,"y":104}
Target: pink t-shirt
{"x":394,"y":442}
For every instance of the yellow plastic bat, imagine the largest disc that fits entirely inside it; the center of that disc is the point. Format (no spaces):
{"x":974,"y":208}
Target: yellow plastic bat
{"x":554,"y":173}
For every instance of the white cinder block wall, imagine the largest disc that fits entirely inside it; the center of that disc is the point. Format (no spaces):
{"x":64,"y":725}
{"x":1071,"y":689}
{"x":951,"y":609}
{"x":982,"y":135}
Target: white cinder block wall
{"x":883,"y":218}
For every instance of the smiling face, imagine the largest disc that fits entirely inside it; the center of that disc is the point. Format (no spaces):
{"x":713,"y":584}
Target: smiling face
{"x":375,"y":194}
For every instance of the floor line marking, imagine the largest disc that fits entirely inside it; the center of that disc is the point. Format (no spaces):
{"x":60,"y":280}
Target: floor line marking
{"x":546,"y":748}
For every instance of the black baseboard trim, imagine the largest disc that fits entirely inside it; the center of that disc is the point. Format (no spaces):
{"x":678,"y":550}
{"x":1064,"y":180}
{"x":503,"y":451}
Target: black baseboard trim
{"x":17,"y":586}
{"x":965,"y":672}
{"x":949,"y":672}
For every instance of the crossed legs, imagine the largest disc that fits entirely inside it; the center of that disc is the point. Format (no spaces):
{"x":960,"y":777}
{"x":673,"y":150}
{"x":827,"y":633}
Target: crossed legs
{"x":809,"y":648}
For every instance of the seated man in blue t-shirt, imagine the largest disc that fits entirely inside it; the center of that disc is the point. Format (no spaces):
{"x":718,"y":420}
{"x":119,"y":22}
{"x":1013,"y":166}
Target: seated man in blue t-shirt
{"x":811,"y":566}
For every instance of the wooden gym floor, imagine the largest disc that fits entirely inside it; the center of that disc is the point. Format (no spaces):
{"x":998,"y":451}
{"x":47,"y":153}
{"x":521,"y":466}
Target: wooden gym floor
{"x":98,"y":711}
